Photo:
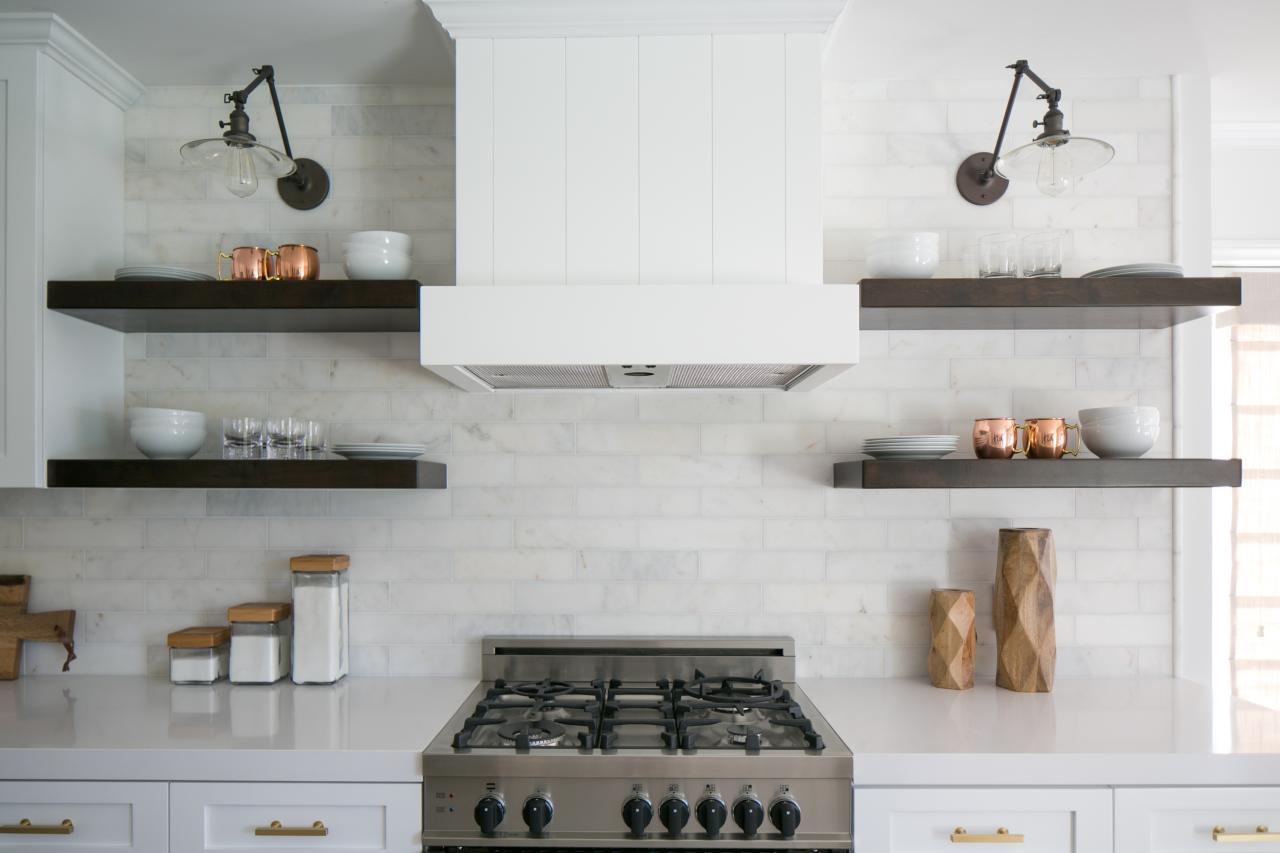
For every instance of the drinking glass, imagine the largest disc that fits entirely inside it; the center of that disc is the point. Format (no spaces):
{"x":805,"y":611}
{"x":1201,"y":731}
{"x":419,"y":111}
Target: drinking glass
{"x":286,"y":438}
{"x":242,"y":437}
{"x":998,"y":256}
{"x":1042,"y":255}
{"x":315,"y":437}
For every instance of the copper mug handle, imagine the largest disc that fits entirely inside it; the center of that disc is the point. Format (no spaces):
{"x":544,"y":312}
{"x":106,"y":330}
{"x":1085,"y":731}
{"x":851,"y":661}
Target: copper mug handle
{"x":222,"y":255}
{"x":1025,"y":432}
{"x":275,"y":267}
{"x":1066,"y":429}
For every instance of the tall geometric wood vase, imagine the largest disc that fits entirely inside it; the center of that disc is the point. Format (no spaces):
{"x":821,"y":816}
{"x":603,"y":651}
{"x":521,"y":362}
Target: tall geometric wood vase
{"x":952,"y":614}
{"x":1026,"y":648}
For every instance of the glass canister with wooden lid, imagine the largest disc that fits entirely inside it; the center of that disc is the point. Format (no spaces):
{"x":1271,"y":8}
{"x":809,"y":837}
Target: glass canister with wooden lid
{"x":321,"y":608}
{"x":199,"y":655}
{"x":260,"y":642}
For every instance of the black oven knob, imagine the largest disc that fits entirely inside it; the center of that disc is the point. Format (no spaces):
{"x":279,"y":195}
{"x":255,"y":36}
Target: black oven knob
{"x":711,"y":814}
{"x":537,"y":813}
{"x":784,"y":813}
{"x":674,"y":814}
{"x":489,"y":813}
{"x":748,"y":814}
{"x":636,"y":814}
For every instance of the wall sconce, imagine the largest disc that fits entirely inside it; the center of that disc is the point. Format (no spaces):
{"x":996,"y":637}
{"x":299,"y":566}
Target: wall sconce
{"x":1055,"y":158}
{"x":303,"y":184}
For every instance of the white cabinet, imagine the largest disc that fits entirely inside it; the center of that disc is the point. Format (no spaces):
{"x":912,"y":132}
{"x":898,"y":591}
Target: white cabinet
{"x":124,"y":817}
{"x":1183,"y":820}
{"x":62,"y":183}
{"x":916,"y":820}
{"x":256,"y":818}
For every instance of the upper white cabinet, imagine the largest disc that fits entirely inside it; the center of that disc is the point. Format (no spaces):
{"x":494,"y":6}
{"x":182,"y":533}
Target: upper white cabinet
{"x":62,"y":108}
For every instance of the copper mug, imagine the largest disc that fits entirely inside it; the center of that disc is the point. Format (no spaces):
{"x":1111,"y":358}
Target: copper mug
{"x":1047,"y":438}
{"x":996,"y":438}
{"x":248,"y":263}
{"x":297,"y":262}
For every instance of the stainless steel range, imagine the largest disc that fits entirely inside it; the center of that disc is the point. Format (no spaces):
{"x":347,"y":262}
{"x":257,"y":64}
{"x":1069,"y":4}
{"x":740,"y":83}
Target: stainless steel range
{"x":638,"y":743}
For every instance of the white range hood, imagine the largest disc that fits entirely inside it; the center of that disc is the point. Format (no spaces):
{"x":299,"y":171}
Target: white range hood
{"x":775,"y":337}
{"x":639,"y":200}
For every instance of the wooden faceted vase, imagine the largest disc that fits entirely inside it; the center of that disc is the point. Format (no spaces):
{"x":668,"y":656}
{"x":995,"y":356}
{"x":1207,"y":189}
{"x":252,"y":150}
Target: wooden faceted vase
{"x":952,"y":619}
{"x":1026,"y":648}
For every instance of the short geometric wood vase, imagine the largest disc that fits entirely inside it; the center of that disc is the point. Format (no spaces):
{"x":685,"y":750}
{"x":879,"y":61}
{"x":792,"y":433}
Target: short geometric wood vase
{"x":952,"y":618}
{"x":1026,"y":648}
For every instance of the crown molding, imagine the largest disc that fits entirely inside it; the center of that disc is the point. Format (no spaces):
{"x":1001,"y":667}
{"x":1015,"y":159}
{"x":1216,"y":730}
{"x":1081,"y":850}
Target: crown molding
{"x":48,"y":32}
{"x":1246,"y":253}
{"x":566,"y":18}
{"x":1246,"y":134}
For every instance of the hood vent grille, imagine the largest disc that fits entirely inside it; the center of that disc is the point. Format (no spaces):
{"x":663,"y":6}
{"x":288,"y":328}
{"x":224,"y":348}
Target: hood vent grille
{"x":523,"y":377}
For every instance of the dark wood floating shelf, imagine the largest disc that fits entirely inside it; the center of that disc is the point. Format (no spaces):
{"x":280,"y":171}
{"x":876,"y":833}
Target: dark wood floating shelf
{"x":1037,"y":474}
{"x":1042,"y":303}
{"x":244,"y":474}
{"x":241,"y":306}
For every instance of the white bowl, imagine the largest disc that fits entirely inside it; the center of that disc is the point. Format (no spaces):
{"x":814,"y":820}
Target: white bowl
{"x":375,"y":264}
{"x":394,"y":240}
{"x":167,"y":441}
{"x":921,"y":262}
{"x":1110,"y":413}
{"x":1120,"y":439}
{"x":140,"y":413}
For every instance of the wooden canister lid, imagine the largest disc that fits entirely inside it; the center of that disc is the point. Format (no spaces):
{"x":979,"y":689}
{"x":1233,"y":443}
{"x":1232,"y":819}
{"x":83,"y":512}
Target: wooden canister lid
{"x":320,"y":563}
{"x":207,"y":637}
{"x":260,"y":611}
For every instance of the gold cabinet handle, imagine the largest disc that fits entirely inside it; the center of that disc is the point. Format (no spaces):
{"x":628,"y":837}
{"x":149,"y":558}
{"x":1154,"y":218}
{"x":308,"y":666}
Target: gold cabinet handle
{"x":1260,"y":833}
{"x":26,"y":827}
{"x":277,"y":828}
{"x":1001,"y":836}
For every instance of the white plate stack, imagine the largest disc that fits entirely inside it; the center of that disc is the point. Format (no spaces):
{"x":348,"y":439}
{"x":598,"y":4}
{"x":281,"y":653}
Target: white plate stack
{"x":1151,"y":270}
{"x":911,"y":446}
{"x":379,"y":450}
{"x":147,"y":272}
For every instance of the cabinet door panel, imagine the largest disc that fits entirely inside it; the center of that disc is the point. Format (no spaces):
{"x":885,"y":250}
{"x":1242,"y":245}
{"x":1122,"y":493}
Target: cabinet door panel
{"x":1182,"y":820}
{"x":125,"y":817}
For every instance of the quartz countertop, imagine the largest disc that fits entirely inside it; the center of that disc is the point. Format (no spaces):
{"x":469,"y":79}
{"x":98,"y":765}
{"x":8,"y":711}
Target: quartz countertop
{"x":901,"y":731}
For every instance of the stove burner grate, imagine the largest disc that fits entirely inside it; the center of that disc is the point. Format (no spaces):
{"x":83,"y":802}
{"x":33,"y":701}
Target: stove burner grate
{"x":535,"y":733}
{"x":544,"y":689}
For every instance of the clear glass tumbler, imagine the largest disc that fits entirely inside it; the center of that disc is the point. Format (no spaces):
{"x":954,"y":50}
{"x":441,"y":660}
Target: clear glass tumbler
{"x":998,"y":256}
{"x":242,"y":437}
{"x":286,"y":438}
{"x":1042,"y":254}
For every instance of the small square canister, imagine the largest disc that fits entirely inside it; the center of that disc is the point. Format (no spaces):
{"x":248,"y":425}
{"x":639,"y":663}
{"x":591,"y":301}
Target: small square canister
{"x":261,"y":637}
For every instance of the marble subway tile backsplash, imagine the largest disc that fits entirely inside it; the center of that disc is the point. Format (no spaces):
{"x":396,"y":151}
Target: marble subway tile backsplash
{"x":626,"y":512}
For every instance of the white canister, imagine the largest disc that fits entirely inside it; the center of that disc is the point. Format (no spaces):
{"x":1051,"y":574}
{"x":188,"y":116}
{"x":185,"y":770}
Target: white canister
{"x":199,"y":655}
{"x":260,"y":640}
{"x":321,"y":613}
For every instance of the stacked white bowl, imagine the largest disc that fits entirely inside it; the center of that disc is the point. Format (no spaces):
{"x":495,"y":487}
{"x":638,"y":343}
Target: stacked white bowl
{"x":1120,"y":432}
{"x":167,"y":433}
{"x":913,"y":255}
{"x":377,"y":254}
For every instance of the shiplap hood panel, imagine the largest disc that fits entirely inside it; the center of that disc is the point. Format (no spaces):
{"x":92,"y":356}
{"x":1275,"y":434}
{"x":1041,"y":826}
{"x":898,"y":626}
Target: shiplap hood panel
{"x":606,"y":148}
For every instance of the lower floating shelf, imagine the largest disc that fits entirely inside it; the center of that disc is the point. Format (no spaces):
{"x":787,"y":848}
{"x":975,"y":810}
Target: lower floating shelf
{"x":1038,"y":474}
{"x":244,"y":474}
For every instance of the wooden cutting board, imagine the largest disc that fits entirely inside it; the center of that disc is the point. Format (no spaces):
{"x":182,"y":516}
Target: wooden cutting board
{"x":17,"y":625}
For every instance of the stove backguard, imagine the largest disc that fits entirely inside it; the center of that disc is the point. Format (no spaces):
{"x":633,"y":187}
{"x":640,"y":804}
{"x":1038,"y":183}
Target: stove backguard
{"x":633,"y":659}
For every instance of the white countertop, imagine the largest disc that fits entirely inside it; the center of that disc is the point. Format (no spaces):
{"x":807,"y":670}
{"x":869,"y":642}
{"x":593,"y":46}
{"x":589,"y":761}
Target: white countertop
{"x":901,"y":731}
{"x":1159,"y":731}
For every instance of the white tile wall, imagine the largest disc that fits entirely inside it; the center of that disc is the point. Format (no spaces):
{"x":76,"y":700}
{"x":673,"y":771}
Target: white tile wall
{"x":626,"y":513}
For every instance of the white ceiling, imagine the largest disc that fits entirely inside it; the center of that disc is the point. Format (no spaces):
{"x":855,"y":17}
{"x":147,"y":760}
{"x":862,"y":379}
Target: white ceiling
{"x":188,"y":42}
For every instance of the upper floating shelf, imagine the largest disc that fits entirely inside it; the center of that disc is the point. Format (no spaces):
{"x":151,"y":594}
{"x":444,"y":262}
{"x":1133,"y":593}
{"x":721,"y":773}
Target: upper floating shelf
{"x":336,"y":305}
{"x":1042,"y":303}
{"x":1038,"y":474}
{"x":245,"y":474}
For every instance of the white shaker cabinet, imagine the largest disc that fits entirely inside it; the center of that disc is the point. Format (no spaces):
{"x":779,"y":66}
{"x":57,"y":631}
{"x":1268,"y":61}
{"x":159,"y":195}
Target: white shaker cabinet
{"x":1191,"y":820}
{"x":82,"y":817}
{"x":62,"y":108}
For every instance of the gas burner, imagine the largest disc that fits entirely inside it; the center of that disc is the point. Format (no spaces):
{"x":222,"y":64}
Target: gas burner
{"x":748,"y":736}
{"x":732,"y":691}
{"x":535,"y":732}
{"x":544,"y":689}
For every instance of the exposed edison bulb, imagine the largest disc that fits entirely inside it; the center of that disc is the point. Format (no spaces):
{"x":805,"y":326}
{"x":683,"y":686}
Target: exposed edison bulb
{"x":1052,"y":178}
{"x":242,"y":173}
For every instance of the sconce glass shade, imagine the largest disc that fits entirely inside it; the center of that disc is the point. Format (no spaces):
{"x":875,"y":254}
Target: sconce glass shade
{"x":1055,"y":161}
{"x":216,"y":152}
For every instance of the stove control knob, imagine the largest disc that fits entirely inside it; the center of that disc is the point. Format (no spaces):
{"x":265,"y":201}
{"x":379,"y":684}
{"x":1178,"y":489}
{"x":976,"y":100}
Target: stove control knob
{"x":637,"y":811}
{"x":712,"y":815}
{"x":537,"y":813}
{"x":748,"y":814}
{"x":674,"y":814}
{"x":784,"y":814}
{"x":489,"y":813}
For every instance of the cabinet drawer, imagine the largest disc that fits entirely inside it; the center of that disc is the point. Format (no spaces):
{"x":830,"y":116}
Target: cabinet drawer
{"x":116,"y":816}
{"x":1037,"y":820}
{"x":1182,"y":820}
{"x":355,"y":817}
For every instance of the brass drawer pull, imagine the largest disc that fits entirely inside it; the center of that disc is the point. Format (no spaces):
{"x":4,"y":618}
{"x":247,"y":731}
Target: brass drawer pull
{"x":26,"y":827}
{"x":1001,"y":836}
{"x":276,"y":828}
{"x":1261,"y":833}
